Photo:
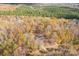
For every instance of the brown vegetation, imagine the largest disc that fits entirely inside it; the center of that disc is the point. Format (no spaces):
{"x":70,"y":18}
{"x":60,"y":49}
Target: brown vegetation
{"x":27,"y":35}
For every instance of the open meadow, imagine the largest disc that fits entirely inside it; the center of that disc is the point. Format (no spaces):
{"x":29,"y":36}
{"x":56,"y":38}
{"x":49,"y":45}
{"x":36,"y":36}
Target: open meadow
{"x":38,"y":30}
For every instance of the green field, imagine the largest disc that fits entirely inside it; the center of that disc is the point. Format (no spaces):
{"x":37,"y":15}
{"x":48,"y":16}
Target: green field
{"x":47,"y":11}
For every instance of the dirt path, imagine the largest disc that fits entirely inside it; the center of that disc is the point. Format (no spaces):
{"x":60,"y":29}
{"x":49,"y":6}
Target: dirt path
{"x":7,"y":7}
